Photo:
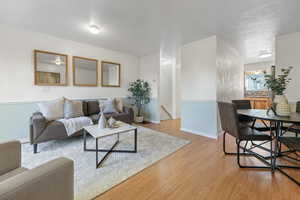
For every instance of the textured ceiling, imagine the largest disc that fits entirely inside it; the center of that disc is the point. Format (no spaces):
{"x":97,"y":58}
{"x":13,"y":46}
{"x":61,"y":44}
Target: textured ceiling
{"x":141,"y":27}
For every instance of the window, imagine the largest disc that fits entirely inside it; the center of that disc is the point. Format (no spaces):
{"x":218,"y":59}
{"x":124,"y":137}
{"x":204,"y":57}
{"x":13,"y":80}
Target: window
{"x":255,"y":84}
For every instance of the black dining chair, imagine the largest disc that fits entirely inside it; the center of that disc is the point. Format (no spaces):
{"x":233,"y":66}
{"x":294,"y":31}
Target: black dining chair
{"x":230,"y":125}
{"x":293,"y":144}
{"x":295,"y":128}
{"x":243,"y":104}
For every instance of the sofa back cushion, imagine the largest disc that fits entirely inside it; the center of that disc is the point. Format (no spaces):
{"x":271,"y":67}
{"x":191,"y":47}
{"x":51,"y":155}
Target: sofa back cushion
{"x":108,"y":106}
{"x":119,"y":104}
{"x":52,"y":110}
{"x":73,"y":109}
{"x":92,"y":107}
{"x":85,"y":108}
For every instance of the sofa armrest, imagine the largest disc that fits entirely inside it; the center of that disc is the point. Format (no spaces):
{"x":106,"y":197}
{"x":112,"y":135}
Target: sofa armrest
{"x":130,"y":112}
{"x":10,"y":156}
{"x":38,"y":123}
{"x":52,"y":180}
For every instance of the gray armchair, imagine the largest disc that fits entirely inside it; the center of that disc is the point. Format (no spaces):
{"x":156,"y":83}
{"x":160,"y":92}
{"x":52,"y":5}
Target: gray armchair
{"x":52,"y":180}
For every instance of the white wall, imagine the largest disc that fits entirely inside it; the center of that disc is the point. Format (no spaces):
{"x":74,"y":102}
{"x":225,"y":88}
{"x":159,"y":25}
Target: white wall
{"x":230,"y":72}
{"x":177,"y":88}
{"x":150,"y":72}
{"x":17,"y":74}
{"x":198,"y":72}
{"x":287,"y":54}
{"x":166,"y":89}
{"x":212,"y":70}
{"x":266,"y":66}
{"x":198,"y":84}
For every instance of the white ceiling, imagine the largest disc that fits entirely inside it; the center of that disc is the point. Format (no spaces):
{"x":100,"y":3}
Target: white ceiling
{"x":141,"y":27}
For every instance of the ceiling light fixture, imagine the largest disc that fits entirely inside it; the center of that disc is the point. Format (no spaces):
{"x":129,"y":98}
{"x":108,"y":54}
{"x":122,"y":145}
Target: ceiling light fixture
{"x":94,"y":29}
{"x":265,"y":54}
{"x":58,"y":61}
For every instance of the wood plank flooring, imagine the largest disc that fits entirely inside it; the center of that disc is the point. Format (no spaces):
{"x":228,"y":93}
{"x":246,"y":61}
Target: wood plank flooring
{"x":199,"y":171}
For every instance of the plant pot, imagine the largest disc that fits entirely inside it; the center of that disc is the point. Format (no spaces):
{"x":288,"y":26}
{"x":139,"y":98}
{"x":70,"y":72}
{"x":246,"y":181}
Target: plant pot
{"x":282,"y":105}
{"x":139,"y":119}
{"x":280,"y":99}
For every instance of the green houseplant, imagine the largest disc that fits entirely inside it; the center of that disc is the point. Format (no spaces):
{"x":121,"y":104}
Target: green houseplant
{"x":277,"y":86}
{"x":140,"y":95}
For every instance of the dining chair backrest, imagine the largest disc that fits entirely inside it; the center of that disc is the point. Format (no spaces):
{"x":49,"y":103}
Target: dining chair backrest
{"x":229,"y":118}
{"x":242,"y":104}
{"x":298,"y":107}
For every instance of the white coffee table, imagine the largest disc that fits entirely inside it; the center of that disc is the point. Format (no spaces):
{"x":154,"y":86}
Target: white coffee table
{"x":98,"y":133}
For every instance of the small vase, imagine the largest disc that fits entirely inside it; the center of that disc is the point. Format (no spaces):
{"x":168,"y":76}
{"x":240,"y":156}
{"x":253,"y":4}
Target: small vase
{"x":102,"y":122}
{"x":282,"y":105}
{"x":111,"y":122}
{"x":280,"y":99}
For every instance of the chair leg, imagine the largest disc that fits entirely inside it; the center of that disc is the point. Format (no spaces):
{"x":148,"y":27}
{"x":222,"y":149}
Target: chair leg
{"x":256,"y":156}
{"x":231,"y":153}
{"x":224,"y":145}
{"x":272,"y":157}
{"x":35,"y":147}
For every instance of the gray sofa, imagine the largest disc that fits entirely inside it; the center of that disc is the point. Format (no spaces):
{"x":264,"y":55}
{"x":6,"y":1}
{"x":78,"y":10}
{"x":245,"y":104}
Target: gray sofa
{"x":52,"y":180}
{"x":42,"y":130}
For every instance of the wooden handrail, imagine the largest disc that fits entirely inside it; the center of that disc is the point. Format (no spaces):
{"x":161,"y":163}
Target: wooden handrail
{"x":166,"y":111}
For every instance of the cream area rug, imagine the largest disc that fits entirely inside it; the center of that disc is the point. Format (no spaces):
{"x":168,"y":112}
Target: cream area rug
{"x":91,"y":182}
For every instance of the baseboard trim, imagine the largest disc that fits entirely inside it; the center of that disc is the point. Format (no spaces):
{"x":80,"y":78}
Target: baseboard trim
{"x":198,"y":133}
{"x":152,"y":121}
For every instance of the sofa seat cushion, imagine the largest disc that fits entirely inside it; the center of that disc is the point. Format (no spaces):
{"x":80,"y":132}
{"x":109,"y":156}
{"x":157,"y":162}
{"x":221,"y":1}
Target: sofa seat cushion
{"x":12,"y":173}
{"x":108,"y":115}
{"x":124,"y":117}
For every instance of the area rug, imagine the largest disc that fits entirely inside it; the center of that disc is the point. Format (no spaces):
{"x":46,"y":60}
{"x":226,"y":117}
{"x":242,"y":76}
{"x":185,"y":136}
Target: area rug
{"x":91,"y":182}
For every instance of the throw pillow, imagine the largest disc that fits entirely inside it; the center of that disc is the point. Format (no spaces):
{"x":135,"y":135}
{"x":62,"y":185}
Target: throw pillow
{"x":52,"y":110}
{"x":108,"y":106}
{"x":73,"y":109}
{"x":119,"y":104}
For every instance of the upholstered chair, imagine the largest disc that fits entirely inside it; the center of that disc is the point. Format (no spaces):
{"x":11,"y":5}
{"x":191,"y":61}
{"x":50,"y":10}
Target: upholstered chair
{"x":49,"y":181}
{"x":230,"y":125}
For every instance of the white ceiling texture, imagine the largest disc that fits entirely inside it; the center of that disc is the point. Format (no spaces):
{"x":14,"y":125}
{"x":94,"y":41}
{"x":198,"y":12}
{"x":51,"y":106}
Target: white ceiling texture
{"x":141,"y":27}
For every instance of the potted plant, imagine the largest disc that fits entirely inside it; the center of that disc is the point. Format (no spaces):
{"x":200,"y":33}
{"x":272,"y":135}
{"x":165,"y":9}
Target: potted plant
{"x":277,"y":86}
{"x":140,"y":94}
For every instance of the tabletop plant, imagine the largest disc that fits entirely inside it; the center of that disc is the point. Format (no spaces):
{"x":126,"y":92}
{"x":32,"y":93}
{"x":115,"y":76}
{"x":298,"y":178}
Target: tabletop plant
{"x":140,"y":94}
{"x":278,"y":84}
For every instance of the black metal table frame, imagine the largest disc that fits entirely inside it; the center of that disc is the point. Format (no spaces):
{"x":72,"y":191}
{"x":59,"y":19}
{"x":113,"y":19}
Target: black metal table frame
{"x":111,"y":150}
{"x":279,"y":153}
{"x":277,"y":150}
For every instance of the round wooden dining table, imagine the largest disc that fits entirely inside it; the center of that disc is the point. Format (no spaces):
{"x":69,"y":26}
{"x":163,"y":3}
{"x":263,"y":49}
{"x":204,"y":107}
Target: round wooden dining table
{"x":276,"y":124}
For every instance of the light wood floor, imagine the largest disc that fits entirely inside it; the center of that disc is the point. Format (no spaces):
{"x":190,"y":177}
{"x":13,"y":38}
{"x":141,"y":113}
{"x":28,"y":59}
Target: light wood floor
{"x":201,"y":171}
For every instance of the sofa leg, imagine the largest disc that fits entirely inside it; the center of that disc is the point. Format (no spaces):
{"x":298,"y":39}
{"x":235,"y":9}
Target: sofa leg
{"x":35,"y":146}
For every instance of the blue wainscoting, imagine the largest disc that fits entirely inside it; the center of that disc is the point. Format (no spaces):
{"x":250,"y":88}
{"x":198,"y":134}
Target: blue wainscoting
{"x":14,"y":119}
{"x":199,"y":117}
{"x":151,"y":111}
